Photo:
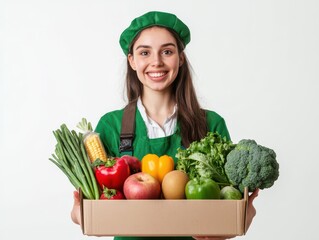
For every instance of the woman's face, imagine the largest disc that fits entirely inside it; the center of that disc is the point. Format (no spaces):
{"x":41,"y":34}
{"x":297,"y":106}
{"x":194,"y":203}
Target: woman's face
{"x":156,"y":59}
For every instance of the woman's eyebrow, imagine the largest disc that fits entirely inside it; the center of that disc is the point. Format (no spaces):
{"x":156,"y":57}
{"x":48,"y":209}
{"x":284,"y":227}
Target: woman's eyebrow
{"x":163,"y":45}
{"x":169,"y":44}
{"x":142,"y":46}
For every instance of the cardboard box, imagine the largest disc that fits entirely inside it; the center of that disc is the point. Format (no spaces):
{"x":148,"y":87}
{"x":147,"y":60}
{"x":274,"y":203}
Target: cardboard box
{"x":164,"y":217}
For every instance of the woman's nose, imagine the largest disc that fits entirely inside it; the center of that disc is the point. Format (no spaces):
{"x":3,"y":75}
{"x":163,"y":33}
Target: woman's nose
{"x":157,"y":60}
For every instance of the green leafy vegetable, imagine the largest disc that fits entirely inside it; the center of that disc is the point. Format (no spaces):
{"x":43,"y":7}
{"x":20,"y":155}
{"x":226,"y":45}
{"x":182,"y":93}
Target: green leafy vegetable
{"x":230,"y":192}
{"x":206,"y":158}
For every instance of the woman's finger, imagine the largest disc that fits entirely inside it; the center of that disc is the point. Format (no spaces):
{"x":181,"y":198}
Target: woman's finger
{"x":76,"y":198}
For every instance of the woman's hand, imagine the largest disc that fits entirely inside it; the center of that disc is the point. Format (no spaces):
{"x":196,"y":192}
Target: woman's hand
{"x":251,"y":213}
{"x":75,"y":213}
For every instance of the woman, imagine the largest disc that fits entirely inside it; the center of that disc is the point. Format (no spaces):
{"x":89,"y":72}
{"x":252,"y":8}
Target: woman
{"x":160,"y":85}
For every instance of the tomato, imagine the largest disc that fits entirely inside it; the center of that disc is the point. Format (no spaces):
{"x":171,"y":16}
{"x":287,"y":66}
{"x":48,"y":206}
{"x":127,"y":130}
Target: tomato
{"x":157,"y":166}
{"x":111,"y":194}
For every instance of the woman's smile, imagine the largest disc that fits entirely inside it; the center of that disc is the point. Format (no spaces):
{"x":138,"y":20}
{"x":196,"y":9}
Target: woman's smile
{"x":157,"y":75}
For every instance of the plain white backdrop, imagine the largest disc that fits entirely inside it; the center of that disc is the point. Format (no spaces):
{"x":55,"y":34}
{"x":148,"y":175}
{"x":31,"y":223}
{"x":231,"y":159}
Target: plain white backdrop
{"x":255,"y":63}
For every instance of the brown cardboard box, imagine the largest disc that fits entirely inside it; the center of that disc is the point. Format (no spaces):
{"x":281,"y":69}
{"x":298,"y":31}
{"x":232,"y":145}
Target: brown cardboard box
{"x":164,"y":217}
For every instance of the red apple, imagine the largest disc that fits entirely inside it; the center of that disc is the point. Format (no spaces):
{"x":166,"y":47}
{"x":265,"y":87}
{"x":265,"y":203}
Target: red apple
{"x":133,"y":162}
{"x":141,"y":186}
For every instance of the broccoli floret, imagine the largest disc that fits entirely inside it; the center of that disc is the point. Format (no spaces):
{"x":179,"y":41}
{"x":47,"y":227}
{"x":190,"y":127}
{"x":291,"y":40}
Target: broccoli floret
{"x":251,"y":165}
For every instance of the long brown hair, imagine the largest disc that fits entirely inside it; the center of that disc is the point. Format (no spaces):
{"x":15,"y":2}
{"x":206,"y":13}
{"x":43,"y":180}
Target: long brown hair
{"x":191,"y":117}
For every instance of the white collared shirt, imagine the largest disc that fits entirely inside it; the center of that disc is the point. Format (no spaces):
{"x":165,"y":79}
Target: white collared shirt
{"x":154,"y":130}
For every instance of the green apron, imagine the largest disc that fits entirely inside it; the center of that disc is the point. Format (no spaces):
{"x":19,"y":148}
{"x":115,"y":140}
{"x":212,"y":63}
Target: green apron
{"x":109,"y":128}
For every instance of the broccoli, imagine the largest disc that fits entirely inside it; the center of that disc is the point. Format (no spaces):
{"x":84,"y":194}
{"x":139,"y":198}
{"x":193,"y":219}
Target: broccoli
{"x":251,"y":165}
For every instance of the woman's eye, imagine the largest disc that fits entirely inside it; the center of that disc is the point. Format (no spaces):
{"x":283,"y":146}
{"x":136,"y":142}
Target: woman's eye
{"x":167,"y":52}
{"x":144,"y":53}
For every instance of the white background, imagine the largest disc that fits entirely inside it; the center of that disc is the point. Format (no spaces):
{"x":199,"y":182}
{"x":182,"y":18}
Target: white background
{"x":255,"y":63}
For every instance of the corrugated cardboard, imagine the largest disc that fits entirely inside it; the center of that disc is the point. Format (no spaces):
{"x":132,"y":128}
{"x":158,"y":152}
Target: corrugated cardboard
{"x":164,"y":217}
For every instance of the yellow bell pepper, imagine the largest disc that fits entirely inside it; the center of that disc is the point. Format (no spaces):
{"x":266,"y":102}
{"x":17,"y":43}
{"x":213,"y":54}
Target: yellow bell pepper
{"x":157,"y":166}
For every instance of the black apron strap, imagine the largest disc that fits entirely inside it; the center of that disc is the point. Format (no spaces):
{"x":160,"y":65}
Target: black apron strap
{"x":128,"y":129}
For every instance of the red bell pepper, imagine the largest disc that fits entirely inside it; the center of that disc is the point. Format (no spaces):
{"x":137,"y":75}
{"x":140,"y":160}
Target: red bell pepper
{"x":112,"y":173}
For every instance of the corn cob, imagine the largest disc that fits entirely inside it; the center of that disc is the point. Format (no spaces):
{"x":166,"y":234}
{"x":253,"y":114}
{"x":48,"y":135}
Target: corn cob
{"x":92,"y":142}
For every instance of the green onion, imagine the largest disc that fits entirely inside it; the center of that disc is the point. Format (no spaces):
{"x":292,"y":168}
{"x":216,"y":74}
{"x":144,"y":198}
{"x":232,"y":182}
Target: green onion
{"x":71,"y":158}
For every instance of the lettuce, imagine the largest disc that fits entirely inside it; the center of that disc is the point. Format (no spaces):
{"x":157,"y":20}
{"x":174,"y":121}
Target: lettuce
{"x":206,"y":158}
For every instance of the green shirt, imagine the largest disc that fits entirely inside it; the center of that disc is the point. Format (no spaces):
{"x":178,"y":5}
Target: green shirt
{"x":109,"y":128}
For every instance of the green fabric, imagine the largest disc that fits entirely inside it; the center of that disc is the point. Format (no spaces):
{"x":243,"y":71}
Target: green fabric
{"x":109,"y":128}
{"x":154,"y":18}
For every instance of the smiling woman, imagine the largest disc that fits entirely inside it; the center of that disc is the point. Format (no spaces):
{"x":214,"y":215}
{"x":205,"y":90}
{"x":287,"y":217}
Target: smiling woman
{"x":159,"y":85}
{"x":156,"y":60}
{"x":162,"y":38}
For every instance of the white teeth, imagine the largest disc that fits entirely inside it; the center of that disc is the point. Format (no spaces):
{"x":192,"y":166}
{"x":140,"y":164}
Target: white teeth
{"x":158,"y":74}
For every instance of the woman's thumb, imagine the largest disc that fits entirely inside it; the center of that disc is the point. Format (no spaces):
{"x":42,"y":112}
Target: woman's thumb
{"x":76,"y":198}
{"x":253,"y":195}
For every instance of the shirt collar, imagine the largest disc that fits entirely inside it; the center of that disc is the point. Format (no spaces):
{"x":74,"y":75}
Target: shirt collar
{"x":146,"y":118}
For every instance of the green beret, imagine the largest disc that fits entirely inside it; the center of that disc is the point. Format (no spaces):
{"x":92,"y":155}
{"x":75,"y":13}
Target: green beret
{"x":149,"y":19}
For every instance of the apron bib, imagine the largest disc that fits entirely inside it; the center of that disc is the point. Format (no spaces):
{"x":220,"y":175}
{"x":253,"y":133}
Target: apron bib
{"x":134,"y":139}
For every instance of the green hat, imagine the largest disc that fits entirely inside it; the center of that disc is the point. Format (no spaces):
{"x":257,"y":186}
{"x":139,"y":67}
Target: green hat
{"x":149,"y":19}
